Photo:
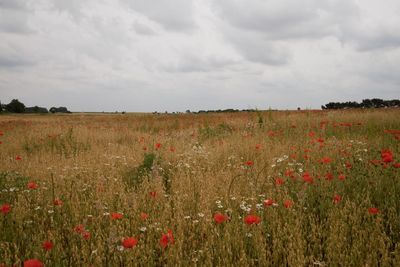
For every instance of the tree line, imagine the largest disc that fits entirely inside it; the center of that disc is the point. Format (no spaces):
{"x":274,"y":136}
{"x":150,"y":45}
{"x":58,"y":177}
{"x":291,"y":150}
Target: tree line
{"x":366,"y":103}
{"x":15,"y":106}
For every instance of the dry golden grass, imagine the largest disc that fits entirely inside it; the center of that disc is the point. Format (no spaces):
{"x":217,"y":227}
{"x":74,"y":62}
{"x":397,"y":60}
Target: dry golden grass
{"x":227,"y":163}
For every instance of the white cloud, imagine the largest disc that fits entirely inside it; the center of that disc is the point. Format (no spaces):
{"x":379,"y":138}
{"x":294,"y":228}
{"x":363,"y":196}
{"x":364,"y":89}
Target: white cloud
{"x":175,"y":15}
{"x":195,"y":54}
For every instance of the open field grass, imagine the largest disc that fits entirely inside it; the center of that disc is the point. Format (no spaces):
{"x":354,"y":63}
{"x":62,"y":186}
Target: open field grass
{"x":307,"y":188}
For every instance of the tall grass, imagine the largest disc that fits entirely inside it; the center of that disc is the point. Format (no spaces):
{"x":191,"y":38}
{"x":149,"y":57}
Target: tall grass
{"x":168,"y":175}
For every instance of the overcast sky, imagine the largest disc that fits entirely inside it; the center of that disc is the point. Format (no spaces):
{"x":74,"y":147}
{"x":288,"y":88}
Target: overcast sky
{"x":158,"y":55}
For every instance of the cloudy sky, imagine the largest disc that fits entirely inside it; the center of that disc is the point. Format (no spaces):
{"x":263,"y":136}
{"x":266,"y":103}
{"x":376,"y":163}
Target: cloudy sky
{"x":158,"y":55}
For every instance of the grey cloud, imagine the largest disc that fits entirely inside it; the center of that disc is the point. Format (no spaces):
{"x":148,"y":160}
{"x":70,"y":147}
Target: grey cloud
{"x":195,"y":63}
{"x":7,"y":62}
{"x":14,"y":20}
{"x":72,"y":7}
{"x":307,"y":20}
{"x":286,"y":19}
{"x":12,"y":4}
{"x":13,"y":57}
{"x":257,"y":50}
{"x":174,"y":15}
{"x":144,"y":55}
{"x":142,"y":28}
{"x":382,"y":68}
{"x":381,"y":37}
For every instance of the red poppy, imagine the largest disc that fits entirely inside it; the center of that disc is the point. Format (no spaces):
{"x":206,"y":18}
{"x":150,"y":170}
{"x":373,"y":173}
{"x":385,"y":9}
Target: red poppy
{"x":47,"y":245}
{"x":373,"y":211}
{"x":158,"y":146}
{"x":252,"y":219}
{"x":80,"y":228}
{"x":348,"y":165}
{"x":220,"y":218}
{"x":307,"y":178}
{"x":167,"y":239}
{"x":33,"y":263}
{"x":279,"y":181}
{"x":18,"y":158}
{"x":58,"y":202}
{"x":392,"y":131}
{"x":326,"y":160}
{"x":1,"y":133}
{"x":337,"y":198}
{"x":144,"y":148}
{"x":329,"y":176}
{"x":144,"y":216}
{"x":311,"y":134}
{"x":1,"y":142}
{"x":323,"y":123}
{"x":288,"y":203}
{"x":268,"y":202}
{"x":387,"y":155}
{"x":396,"y":165}
{"x":258,"y":146}
{"x":116,"y":215}
{"x":342,"y":177}
{"x":153,"y":194}
{"x":172,"y":149}
{"x":289,"y":173}
{"x":320,"y":140}
{"x":249,"y":163}
{"x":129,"y":242}
{"x":5,"y":208}
{"x":32,"y":185}
{"x":86,"y":235}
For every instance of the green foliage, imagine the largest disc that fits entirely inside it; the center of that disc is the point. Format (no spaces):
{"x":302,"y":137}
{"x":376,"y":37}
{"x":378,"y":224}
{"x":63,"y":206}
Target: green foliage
{"x":133,"y":178}
{"x":328,"y":224}
{"x":11,"y":183}
{"x":260,"y":119}
{"x":15,"y":106}
{"x":219,"y":131}
{"x":65,"y":145}
{"x":165,"y":172}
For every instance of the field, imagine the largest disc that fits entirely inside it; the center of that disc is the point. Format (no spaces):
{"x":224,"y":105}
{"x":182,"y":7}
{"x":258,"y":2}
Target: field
{"x":299,"y":188}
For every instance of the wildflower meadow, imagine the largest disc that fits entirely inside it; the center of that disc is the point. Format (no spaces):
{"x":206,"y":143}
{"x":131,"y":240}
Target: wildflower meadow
{"x":265,"y":188}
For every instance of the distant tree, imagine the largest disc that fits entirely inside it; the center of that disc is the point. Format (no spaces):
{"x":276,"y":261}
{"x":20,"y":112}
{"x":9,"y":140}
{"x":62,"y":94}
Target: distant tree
{"x":59,"y":110}
{"x":36,"y":109}
{"x":1,"y":107}
{"x":15,"y":106}
{"x":393,"y":103}
{"x":366,"y":103}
